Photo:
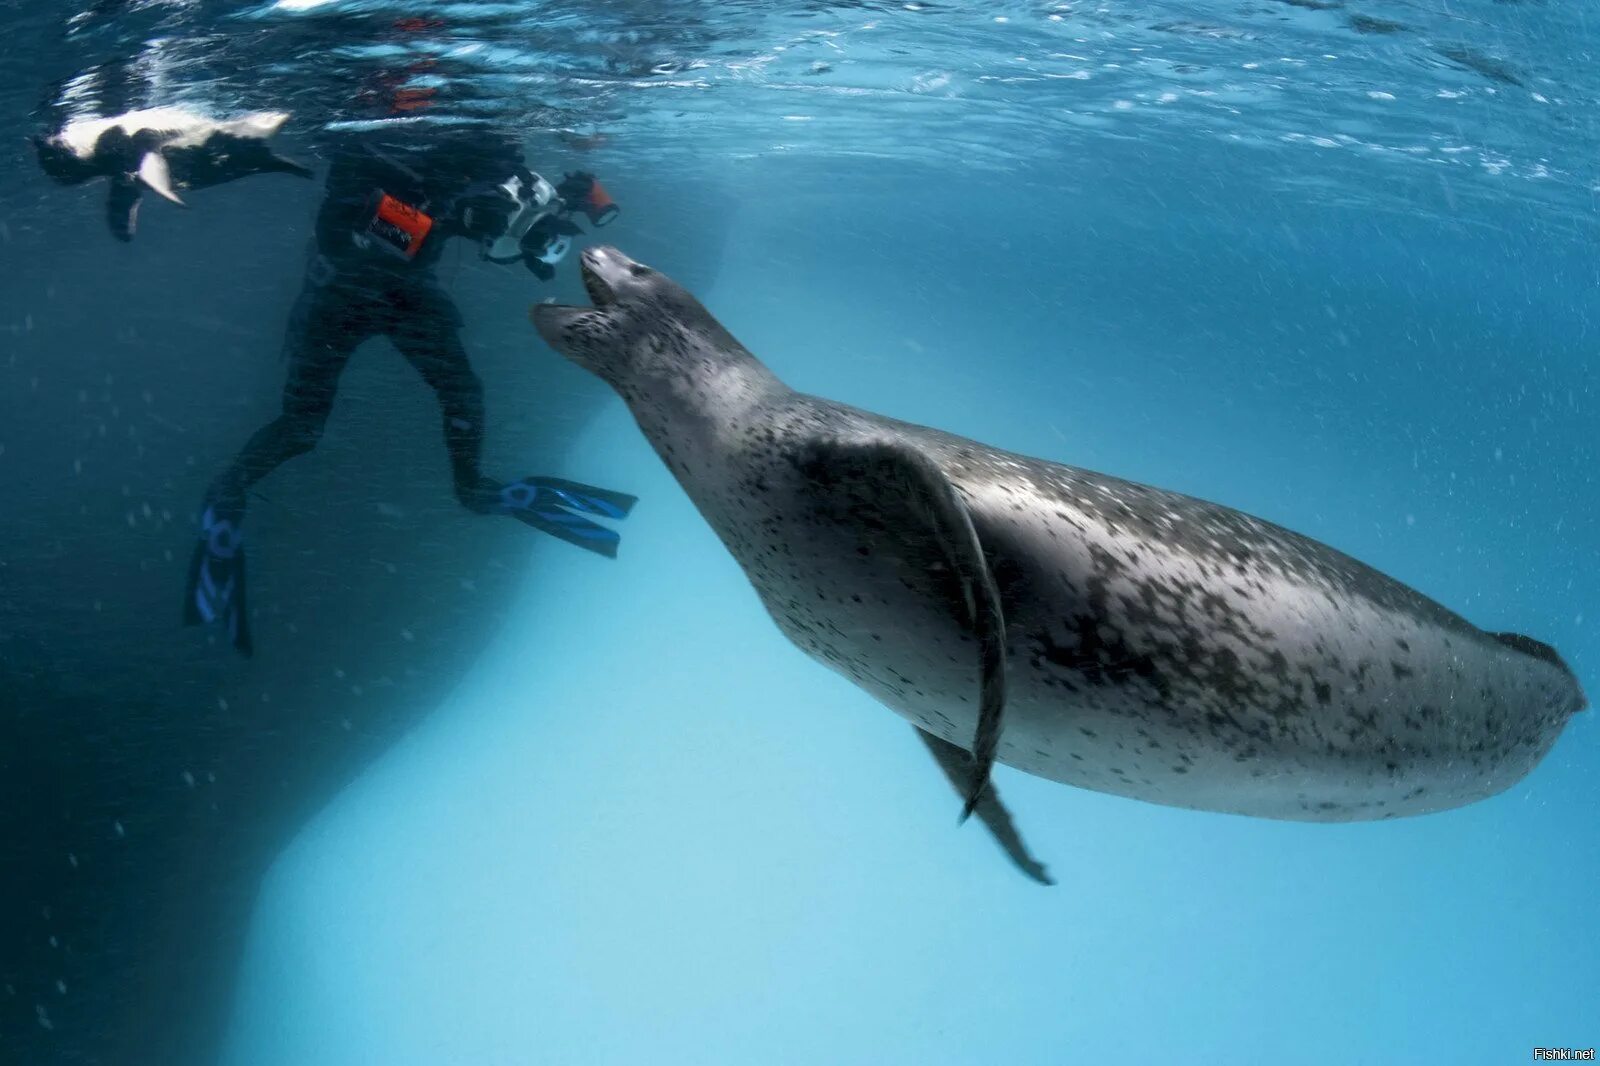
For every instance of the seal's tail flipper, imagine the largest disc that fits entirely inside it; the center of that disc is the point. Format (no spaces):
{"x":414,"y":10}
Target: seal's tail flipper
{"x":897,"y":500}
{"x":555,"y":506}
{"x":957,"y":766}
{"x":1536,"y":648}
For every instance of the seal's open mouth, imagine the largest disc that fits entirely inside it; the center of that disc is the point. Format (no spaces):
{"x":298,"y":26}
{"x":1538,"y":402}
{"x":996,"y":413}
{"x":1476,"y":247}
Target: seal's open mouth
{"x":601,"y":293}
{"x":559,"y":324}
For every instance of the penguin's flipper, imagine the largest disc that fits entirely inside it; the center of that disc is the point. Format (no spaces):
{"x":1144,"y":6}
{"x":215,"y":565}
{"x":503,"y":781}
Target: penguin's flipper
{"x":153,"y":172}
{"x":122,"y":208}
{"x":285,"y":165}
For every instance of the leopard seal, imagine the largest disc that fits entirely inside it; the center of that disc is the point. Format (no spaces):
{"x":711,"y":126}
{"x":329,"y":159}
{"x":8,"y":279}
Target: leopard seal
{"x":1076,"y":626}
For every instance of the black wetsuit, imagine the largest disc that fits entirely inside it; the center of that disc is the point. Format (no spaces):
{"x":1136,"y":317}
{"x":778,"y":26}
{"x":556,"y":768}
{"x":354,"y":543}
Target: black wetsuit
{"x":389,"y":209}
{"x":355,"y":289}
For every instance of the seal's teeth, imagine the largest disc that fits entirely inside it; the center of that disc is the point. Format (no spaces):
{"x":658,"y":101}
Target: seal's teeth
{"x":599,"y":292}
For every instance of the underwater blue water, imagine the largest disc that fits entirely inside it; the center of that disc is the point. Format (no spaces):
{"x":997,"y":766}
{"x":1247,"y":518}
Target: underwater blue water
{"x":1328,"y":262}
{"x":648,"y":830}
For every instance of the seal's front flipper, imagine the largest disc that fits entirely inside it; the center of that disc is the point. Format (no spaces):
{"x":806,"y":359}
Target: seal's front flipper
{"x":957,"y":766}
{"x":555,"y":506}
{"x":122,"y":208}
{"x":215,"y":591}
{"x":155,"y":174}
{"x":897,"y":499}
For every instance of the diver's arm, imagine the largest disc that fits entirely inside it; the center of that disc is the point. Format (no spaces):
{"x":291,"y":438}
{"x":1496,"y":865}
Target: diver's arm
{"x":345,"y":198}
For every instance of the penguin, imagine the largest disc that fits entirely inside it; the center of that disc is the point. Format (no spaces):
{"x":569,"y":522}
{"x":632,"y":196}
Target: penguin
{"x":164,"y":149}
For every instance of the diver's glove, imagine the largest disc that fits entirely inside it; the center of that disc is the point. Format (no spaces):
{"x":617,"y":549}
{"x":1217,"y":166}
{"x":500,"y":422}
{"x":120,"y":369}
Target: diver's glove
{"x":489,"y":209}
{"x":483,"y":214}
{"x":583,"y":192}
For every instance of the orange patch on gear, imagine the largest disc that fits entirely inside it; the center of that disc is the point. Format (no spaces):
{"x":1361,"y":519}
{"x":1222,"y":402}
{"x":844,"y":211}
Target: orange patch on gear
{"x":401,"y":225}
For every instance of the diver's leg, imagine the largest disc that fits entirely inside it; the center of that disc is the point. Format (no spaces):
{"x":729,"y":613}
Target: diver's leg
{"x":322,"y":333}
{"x":431,"y":344}
{"x":319,"y":346}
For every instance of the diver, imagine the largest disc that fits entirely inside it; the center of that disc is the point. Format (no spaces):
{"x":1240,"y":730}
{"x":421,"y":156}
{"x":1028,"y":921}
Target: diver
{"x":389,"y":208}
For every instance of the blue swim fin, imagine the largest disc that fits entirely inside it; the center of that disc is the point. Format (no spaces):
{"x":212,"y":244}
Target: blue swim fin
{"x":216,"y":587}
{"x":556,"y":507}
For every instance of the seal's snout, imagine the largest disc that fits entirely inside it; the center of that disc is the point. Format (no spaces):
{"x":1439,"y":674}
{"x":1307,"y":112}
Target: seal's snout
{"x":626,"y":299}
{"x":606,"y":274}
{"x":602,"y":270}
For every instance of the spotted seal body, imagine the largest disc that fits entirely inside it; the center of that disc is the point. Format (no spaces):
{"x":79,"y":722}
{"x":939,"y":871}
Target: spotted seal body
{"x":1154,"y":645}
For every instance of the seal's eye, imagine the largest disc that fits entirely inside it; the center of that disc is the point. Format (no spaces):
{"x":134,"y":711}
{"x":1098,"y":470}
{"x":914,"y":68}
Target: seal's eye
{"x":640,"y":271}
